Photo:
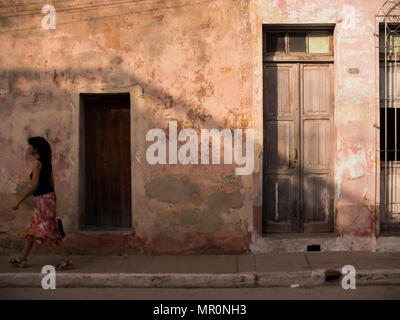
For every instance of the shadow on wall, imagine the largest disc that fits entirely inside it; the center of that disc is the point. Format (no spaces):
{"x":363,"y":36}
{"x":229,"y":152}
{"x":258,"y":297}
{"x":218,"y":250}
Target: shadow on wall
{"x":298,"y":168}
{"x":47,"y":93}
{"x":52,"y":88}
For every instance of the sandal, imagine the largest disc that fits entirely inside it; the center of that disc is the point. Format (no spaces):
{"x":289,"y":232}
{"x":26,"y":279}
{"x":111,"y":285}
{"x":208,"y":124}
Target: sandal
{"x":22,"y":263}
{"x":65,"y":265}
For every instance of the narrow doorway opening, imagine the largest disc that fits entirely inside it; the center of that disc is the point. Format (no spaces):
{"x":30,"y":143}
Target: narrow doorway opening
{"x":105,"y":158}
{"x":298,"y":110}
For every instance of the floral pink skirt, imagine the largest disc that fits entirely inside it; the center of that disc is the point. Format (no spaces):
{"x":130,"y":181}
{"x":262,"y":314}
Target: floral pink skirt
{"x":43,"y":224}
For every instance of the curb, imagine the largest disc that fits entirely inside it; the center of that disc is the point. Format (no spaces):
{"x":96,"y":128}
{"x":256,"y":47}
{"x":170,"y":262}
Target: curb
{"x":132,"y":280}
{"x":285,"y":279}
{"x":380,"y":276}
{"x":194,"y":280}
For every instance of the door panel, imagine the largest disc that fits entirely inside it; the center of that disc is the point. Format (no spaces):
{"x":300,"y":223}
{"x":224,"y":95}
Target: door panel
{"x":277,"y":91}
{"x":279,"y":197}
{"x":317,"y":89}
{"x":280,"y":192}
{"x":316,"y":198}
{"x":278,"y":142}
{"x":316,"y":145}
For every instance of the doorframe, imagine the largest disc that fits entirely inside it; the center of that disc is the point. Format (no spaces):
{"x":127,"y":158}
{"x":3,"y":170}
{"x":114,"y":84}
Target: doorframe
{"x":137,"y":108}
{"x":318,"y":59}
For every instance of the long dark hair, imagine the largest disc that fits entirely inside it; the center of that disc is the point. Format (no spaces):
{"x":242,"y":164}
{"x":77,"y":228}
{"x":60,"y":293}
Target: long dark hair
{"x":42,"y":147}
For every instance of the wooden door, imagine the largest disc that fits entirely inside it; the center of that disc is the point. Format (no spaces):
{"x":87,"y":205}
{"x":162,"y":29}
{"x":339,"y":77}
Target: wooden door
{"x":281,"y":147}
{"x":317,"y":147}
{"x":298,"y":187}
{"x":107,"y":161}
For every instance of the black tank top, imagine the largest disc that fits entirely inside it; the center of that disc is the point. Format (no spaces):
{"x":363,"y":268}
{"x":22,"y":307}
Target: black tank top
{"x":44,"y":179}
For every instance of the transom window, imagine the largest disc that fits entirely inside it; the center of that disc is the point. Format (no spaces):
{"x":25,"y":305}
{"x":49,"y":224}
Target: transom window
{"x":298,"y":42}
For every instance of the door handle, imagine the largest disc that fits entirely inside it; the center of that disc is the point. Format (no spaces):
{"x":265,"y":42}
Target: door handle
{"x":295,"y":159}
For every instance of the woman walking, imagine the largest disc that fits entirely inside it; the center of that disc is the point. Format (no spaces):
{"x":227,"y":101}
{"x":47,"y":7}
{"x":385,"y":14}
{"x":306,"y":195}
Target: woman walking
{"x":42,"y":227}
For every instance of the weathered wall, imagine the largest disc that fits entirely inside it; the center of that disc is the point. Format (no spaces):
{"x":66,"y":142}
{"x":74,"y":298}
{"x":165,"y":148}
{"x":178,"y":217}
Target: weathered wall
{"x":192,"y":60}
{"x":355,"y":97}
{"x":200,"y":63}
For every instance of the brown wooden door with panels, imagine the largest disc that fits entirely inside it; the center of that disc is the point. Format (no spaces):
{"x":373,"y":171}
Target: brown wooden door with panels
{"x":298,"y":184}
{"x":107,"y":164}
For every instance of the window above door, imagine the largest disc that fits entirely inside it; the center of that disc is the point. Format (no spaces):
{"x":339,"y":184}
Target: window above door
{"x":297,"y":44}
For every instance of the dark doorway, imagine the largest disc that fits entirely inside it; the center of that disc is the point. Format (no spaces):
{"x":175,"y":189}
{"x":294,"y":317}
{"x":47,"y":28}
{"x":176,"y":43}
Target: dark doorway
{"x":107,"y":166}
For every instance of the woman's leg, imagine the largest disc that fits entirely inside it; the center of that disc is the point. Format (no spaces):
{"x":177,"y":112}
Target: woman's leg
{"x":61,"y":249}
{"x":27,"y":247}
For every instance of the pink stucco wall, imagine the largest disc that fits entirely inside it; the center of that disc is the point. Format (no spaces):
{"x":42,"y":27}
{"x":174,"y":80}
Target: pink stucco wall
{"x":197,"y":62}
{"x":355,"y":97}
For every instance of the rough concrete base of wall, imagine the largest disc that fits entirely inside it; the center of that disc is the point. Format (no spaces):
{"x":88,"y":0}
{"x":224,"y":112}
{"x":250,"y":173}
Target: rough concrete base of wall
{"x":266,"y":244}
{"x":323,"y":242}
{"x":120,"y":243}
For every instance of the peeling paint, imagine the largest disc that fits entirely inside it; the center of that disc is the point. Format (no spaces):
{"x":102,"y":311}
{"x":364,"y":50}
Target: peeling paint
{"x":199,"y":63}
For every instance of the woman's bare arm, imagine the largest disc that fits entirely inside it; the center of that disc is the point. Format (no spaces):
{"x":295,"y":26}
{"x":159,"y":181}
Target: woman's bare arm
{"x":35,"y":181}
{"x":52,"y":184}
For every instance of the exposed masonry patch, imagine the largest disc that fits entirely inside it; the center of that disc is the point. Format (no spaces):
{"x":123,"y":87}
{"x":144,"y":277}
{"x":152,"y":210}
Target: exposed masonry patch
{"x":170,"y":189}
{"x":210,"y":217}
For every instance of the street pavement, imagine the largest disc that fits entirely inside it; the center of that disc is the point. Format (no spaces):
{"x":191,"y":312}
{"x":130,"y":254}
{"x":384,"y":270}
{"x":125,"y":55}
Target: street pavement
{"x":286,"y":270}
{"x":326,"y":292}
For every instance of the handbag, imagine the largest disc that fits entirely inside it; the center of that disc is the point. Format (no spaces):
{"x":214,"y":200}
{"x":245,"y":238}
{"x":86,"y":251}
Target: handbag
{"x":60,"y":227}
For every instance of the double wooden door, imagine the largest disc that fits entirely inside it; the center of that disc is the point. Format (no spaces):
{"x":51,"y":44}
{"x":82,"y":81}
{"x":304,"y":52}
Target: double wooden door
{"x":298,"y":184}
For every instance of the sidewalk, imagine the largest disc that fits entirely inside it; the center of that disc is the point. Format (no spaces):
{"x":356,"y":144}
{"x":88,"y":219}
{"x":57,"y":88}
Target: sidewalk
{"x":209,"y":271}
